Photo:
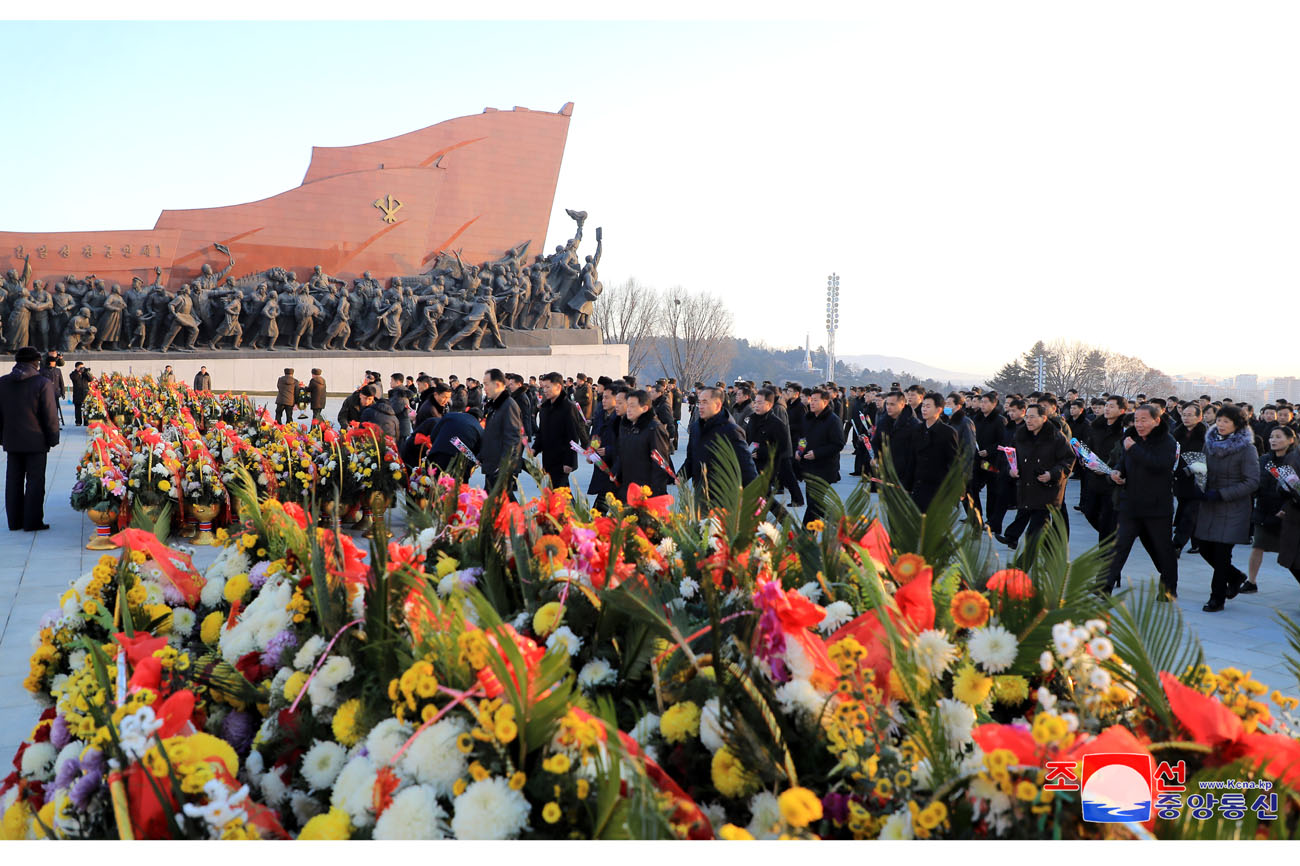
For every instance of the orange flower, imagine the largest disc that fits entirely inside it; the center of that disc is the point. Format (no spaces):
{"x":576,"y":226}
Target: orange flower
{"x":386,"y":782}
{"x":1011,"y":582}
{"x":907,"y":567}
{"x":970,"y":609}
{"x":551,"y":550}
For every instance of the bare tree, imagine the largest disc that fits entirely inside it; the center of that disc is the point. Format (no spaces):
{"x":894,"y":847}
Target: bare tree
{"x":629,"y":312}
{"x":697,"y":344}
{"x":1067,"y":367}
{"x":1129,"y":375}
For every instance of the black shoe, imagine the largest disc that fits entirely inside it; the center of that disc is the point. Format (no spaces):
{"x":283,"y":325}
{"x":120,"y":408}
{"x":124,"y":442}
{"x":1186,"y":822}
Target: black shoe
{"x":854,"y":474}
{"x":1212,"y":606}
{"x":1002,"y":539}
{"x":1234,"y":588}
{"x":1193,"y":549}
{"x":1248,"y":587}
{"x":37,"y":528}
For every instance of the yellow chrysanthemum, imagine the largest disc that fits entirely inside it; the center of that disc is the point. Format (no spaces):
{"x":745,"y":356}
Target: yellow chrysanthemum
{"x":730,"y":776}
{"x":970,"y":686}
{"x":800,"y":807}
{"x":331,"y":826}
{"x":547,"y":618}
{"x":551,"y":812}
{"x":210,"y":631}
{"x":732,"y":833}
{"x":236,"y":588}
{"x":294,"y":685}
{"x":345,"y":727}
{"x":680,"y":722}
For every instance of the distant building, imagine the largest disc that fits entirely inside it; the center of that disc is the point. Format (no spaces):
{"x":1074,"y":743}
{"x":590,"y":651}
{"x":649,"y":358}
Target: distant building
{"x":1286,"y":387}
{"x":1247,"y":382}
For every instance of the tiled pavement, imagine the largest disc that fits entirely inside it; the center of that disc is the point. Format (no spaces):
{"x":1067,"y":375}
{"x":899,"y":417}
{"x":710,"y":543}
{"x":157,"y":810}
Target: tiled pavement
{"x":36,"y":567}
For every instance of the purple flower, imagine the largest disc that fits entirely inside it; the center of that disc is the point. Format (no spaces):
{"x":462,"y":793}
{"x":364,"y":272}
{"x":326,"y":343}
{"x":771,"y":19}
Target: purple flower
{"x":467,"y":578}
{"x":237,"y":729}
{"x":92,"y":761}
{"x":84,"y":789}
{"x":257,"y":576}
{"x":277,"y":646}
{"x":769,"y":644}
{"x":836,"y":806}
{"x":60,"y":736}
{"x":67,"y":773}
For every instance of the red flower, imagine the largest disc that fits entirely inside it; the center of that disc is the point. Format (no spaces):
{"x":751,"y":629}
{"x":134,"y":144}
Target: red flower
{"x":656,"y":505}
{"x":528,"y":648}
{"x":510,"y":516}
{"x":916,"y":605}
{"x":403,"y":554}
{"x":140,"y":647}
{"x":876,"y":541}
{"x":295,"y":511}
{"x":250,"y":665}
{"x":1011,"y":582}
{"x":423,"y":441}
{"x":386,"y":782}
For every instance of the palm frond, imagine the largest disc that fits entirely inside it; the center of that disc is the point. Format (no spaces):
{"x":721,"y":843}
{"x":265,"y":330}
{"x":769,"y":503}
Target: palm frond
{"x":1150,"y":635}
{"x":1292,"y":658}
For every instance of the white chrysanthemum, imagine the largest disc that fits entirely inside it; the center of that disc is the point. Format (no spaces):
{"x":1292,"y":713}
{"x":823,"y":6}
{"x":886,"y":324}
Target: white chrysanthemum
{"x":323,"y":689}
{"x":38,"y":762}
{"x":306,"y":656}
{"x":716,"y":814}
{"x":765,"y":816}
{"x":322,"y":764}
{"x":897,"y":826}
{"x":797,"y":660}
{"x":274,"y":791}
{"x":182,"y":621}
{"x":254,"y":765}
{"x":281,"y":677}
{"x":212,"y":593}
{"x":921,"y":774}
{"x":837,"y":613}
{"x":1064,"y":638}
{"x":596,"y":672}
{"x":769,"y":531}
{"x":1071,"y":721}
{"x":433,"y":758}
{"x":688,"y":587}
{"x":1099,"y":680}
{"x":933,"y":652}
{"x":972,"y":763}
{"x":711,"y":725}
{"x":1045,"y":698}
{"x":354,"y":791}
{"x":385,"y":739}
{"x":1046,"y":661}
{"x":811,"y":591}
{"x":993,"y":648}
{"x":264,"y":618}
{"x":489,"y":810}
{"x":304,"y":806}
{"x":425,"y":539}
{"x":414,"y":814}
{"x":801,"y":696}
{"x":958,"y":719}
{"x":1096,"y":626}
{"x":1101,"y":648}
{"x":645,"y":728}
{"x":667,"y":547}
{"x":565,"y":637}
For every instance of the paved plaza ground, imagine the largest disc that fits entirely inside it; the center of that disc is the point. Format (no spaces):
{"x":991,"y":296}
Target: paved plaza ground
{"x":35,"y":568}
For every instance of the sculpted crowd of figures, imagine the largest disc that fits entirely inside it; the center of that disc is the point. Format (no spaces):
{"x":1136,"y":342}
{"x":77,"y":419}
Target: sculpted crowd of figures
{"x":452,"y":306}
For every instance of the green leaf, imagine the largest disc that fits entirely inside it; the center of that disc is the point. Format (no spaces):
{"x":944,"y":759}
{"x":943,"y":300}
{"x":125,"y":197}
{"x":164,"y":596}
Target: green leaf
{"x":1150,"y":635}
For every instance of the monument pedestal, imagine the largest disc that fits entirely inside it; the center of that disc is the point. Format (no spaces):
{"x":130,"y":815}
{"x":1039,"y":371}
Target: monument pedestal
{"x":252,"y":371}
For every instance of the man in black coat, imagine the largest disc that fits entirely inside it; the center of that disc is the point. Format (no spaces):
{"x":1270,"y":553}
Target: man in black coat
{"x":80,"y":379}
{"x":29,"y":428}
{"x":934,"y":450}
{"x":824,"y":435}
{"x":662,"y":404}
{"x":378,"y":411}
{"x":443,"y":431}
{"x":1043,"y":464}
{"x":519,"y":393}
{"x":714,"y":425}
{"x":474,"y":393}
{"x":860,"y":427}
{"x":607,"y":422}
{"x":1190,"y":438}
{"x":786,"y":477}
{"x":502,"y":432}
{"x":769,"y":440}
{"x":1145,"y":476}
{"x":897,"y":430}
{"x":990,"y":432}
{"x":400,"y":399}
{"x":640,"y":435}
{"x":560,"y":423}
{"x":52,"y":372}
{"x":1104,"y":435}
{"x":795,"y":412}
{"x":351,"y":409}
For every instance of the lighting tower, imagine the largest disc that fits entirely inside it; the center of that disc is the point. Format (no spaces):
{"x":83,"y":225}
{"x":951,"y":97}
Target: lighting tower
{"x":832,"y":322}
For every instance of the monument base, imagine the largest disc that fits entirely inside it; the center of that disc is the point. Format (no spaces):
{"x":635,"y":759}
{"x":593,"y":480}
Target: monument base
{"x":256,"y":371}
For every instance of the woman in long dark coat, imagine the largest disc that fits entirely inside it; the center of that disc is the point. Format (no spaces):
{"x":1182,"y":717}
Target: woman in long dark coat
{"x":1232,"y":477}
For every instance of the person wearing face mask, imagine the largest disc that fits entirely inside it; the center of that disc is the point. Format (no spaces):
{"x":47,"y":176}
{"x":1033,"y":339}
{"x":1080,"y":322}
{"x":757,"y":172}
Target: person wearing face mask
{"x":1269,"y":501}
{"x":1144,"y":474}
{"x":934,"y":450}
{"x":1232,"y":476}
{"x":1043,"y":464}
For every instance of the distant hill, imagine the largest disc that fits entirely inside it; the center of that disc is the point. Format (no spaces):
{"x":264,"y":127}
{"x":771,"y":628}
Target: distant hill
{"x":906,"y":365}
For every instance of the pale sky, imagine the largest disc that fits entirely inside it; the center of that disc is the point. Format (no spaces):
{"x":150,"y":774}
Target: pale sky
{"x":981,"y":175}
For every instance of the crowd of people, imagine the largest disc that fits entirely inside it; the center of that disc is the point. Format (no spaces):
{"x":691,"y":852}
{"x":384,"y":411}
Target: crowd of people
{"x":1198,"y":474}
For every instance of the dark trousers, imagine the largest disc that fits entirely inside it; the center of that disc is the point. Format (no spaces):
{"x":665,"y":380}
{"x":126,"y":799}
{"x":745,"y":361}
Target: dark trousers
{"x":1226,"y":575}
{"x":994,"y":509}
{"x":25,"y":489}
{"x":1185,"y":522}
{"x":860,"y":462}
{"x":1031,"y":521}
{"x":1100,"y":514}
{"x":76,"y":405}
{"x":1086,"y":491}
{"x":286,"y":411}
{"x":788,"y":481}
{"x":814,"y":510}
{"x":559,"y":478}
{"x":1155,"y":537}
